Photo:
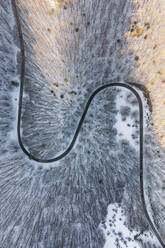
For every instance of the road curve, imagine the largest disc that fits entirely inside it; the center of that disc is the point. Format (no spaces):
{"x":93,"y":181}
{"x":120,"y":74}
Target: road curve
{"x":124,"y":85}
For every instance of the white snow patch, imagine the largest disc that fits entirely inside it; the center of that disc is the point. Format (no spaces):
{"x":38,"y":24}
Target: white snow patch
{"x":127,"y":128}
{"x":117,"y":233}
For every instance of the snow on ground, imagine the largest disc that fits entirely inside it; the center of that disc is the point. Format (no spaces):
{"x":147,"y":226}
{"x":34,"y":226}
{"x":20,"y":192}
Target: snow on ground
{"x":126,"y":122}
{"x":51,"y":206}
{"x":117,"y":234}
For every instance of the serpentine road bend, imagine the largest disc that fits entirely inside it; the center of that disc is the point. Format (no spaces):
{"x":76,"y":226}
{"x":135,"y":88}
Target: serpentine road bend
{"x":81,"y":134}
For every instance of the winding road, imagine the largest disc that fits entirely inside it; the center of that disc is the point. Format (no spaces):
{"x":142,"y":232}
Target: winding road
{"x":124,"y":85}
